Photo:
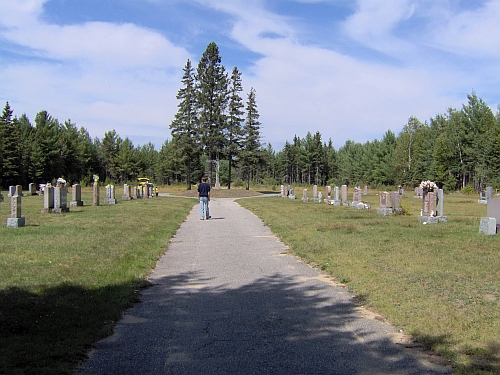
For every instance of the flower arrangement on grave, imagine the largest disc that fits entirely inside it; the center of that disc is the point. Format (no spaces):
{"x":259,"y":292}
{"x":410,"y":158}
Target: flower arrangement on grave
{"x":61,"y":182}
{"x":96,"y":178}
{"x":428,"y":186}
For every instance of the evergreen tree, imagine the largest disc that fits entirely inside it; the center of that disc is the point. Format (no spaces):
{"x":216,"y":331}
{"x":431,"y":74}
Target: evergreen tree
{"x":183,"y":127}
{"x":212,"y":84}
{"x":250,"y":154}
{"x":234,"y":120}
{"x":9,"y":153}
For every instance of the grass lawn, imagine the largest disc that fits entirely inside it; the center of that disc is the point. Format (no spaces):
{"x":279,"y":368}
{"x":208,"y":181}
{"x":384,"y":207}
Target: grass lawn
{"x":437,"y":282}
{"x":66,"y":278}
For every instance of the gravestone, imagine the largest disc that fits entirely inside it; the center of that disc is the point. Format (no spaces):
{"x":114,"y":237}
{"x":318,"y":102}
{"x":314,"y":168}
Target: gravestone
{"x":344,"y":195}
{"x":384,"y":203}
{"x":60,"y":200}
{"x":291,"y":193}
{"x":365,"y":192}
{"x":76,"y":196}
{"x":110,"y":194}
{"x":32,"y":189}
{"x":419,"y":192}
{"x":96,"y":194}
{"x":482,"y":198}
{"x":357,"y":196}
{"x":304,"y":196}
{"x":320,"y":197}
{"x":489,"y":192}
{"x":401,"y":191}
{"x":493,"y":209}
{"x":1,"y":197}
{"x":286,"y":191}
{"x":127,"y":192}
{"x":19,"y":191}
{"x":430,"y":213}
{"x":315,"y":193}
{"x":282,"y":190}
{"x":396,"y":203}
{"x":15,"y":220}
{"x":48,"y":199}
{"x":336,"y":200}
{"x":488,"y":225}
{"x":328,"y":194}
{"x":11,"y":192}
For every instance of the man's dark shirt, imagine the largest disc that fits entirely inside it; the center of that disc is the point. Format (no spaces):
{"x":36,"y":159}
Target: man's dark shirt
{"x":203,"y":189}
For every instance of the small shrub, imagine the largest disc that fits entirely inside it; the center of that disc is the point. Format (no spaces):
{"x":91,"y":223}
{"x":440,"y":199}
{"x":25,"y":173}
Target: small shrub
{"x":467,"y":190}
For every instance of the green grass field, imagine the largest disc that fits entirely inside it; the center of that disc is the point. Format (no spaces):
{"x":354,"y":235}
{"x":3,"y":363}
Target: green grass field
{"x":437,"y":282}
{"x":65,"y":279}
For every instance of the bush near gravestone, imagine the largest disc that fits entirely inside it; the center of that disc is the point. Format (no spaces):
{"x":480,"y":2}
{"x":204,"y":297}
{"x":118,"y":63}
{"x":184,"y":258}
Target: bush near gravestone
{"x":467,"y":190}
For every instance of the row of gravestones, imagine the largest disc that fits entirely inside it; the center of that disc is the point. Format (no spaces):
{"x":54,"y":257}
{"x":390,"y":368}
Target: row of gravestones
{"x":55,"y":199}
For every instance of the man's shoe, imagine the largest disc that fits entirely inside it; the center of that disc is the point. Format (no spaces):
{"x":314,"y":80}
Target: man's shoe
{"x":202,"y":219}
{"x":209,"y":217}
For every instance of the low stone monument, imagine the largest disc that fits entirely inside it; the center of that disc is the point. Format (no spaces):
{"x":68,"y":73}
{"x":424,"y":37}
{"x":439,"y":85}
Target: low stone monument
{"x":291,"y":193}
{"x":336,"y":201}
{"x":32,"y":189}
{"x":127,"y":192}
{"x":384,"y":207}
{"x":60,"y":200}
{"x":493,"y":210}
{"x":315,"y":193}
{"x":488,"y":225}
{"x":95,"y":194}
{"x":15,"y":220}
{"x":48,"y":199}
{"x":304,"y":196}
{"x":482,"y":198}
{"x":76,"y":196}
{"x":110,"y":194}
{"x":344,"y":195}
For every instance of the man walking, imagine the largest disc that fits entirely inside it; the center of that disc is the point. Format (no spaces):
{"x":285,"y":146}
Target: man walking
{"x":204,"y":197}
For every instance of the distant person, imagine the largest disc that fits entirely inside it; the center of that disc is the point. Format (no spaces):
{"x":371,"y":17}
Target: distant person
{"x":204,"y":198}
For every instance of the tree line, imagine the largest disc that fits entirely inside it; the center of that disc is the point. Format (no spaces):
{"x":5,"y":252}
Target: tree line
{"x":215,"y":131}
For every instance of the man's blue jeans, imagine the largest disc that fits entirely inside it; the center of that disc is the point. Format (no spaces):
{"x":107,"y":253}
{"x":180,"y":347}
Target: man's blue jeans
{"x":204,"y":212}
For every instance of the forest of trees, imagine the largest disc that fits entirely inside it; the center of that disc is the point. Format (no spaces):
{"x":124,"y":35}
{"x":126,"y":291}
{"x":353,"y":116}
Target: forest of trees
{"x":214,"y":129}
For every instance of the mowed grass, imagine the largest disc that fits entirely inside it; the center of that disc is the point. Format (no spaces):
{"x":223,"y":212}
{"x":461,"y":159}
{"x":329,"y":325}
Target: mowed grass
{"x":66,"y":278}
{"x":437,"y":282}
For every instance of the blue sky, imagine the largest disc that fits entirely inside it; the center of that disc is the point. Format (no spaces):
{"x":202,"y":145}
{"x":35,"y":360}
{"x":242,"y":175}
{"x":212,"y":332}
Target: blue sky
{"x":350,"y":69}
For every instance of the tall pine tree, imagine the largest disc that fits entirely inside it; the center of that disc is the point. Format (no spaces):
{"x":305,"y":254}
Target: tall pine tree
{"x":212,"y":83}
{"x":234,"y":120}
{"x":250,"y":154}
{"x":183,"y":127}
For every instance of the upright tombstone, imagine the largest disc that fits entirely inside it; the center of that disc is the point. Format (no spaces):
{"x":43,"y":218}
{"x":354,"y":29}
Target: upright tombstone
{"x":328,"y":194}
{"x":60,"y":200}
{"x":32,"y":189}
{"x":110,"y":194}
{"x":419,"y":192}
{"x":291,"y":193}
{"x":282,"y":190}
{"x":320,"y":197}
{"x":401,"y":191}
{"x":344,"y":195}
{"x":15,"y":220}
{"x":315,"y":193}
{"x":493,"y":210}
{"x":488,"y":225}
{"x":357,"y":196}
{"x":489,"y":192}
{"x":285,"y":191}
{"x":396,"y":203}
{"x":428,"y":213}
{"x":127,"y":192}
{"x":95,"y":194}
{"x":365,"y":192}
{"x":48,"y":199}
{"x":384,"y":203}
{"x":336,"y":200}
{"x":482,"y":197}
{"x":11,"y":192}
{"x":304,"y":196}
{"x":76,"y":196}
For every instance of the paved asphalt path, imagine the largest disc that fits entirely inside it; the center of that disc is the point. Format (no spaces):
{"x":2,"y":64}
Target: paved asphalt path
{"x":227,"y":299}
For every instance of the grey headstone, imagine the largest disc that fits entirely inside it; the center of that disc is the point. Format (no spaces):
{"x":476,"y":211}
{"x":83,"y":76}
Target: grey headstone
{"x":488,"y":225}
